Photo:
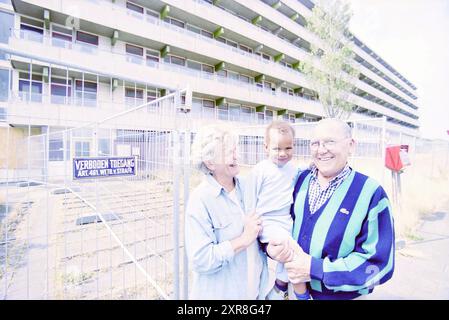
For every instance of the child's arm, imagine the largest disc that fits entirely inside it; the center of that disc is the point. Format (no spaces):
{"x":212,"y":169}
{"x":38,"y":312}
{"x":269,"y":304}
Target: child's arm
{"x":253,"y":183}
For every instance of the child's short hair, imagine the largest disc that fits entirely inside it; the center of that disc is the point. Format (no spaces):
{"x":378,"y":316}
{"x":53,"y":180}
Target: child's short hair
{"x":283,"y":127}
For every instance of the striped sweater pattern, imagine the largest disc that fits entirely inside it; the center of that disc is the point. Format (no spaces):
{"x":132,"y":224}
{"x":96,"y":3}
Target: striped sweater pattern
{"x":350,"y":237}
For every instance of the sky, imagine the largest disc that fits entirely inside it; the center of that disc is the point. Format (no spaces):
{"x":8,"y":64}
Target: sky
{"x":413,"y":37}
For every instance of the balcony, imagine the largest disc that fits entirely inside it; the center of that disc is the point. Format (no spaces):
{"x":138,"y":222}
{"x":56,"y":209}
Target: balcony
{"x":96,"y":60}
{"x":253,"y":27}
{"x":200,"y":37}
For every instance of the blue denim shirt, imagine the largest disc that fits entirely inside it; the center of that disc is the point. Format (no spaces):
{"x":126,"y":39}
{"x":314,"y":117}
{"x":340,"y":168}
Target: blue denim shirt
{"x":212,"y":220}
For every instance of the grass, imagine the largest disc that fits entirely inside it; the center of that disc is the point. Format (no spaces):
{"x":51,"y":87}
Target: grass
{"x":413,"y":237}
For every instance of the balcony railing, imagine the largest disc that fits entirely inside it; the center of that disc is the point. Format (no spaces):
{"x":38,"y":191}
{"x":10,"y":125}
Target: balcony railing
{"x":197,"y":112}
{"x":252,"y":26}
{"x":93,"y":50}
{"x":89,"y":99}
{"x":158,"y":22}
{"x":54,"y":42}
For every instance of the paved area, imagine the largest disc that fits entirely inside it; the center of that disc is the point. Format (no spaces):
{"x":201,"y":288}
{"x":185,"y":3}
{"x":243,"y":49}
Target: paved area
{"x":422,"y":266}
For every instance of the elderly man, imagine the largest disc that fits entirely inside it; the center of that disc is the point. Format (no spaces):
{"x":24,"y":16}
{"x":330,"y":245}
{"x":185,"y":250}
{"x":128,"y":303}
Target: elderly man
{"x":342,"y":223}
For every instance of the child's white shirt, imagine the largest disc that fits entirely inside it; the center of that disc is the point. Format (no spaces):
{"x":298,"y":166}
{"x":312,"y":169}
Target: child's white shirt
{"x":269,"y":188}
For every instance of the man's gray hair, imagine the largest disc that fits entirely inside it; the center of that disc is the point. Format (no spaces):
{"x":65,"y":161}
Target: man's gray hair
{"x":343,"y":125}
{"x":208,"y":141}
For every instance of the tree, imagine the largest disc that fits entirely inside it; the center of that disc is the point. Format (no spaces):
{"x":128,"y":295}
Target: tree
{"x":330,"y":70}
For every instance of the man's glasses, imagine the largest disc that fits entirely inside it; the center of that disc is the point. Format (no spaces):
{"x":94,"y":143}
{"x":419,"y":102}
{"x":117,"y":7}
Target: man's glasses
{"x":327,"y":144}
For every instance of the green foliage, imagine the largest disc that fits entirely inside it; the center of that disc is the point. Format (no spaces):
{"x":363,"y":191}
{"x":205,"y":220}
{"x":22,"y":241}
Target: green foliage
{"x":330,"y":70}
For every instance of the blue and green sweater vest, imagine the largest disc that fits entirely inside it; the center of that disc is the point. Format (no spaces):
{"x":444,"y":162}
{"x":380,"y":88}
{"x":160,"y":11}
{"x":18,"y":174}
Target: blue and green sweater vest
{"x":350,"y":237}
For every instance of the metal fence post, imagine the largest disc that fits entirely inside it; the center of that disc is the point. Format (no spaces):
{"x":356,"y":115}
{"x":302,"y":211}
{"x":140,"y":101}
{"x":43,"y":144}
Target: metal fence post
{"x":176,"y":177}
{"x":187,"y":138}
{"x":6,"y":222}
{"x":383,"y":145}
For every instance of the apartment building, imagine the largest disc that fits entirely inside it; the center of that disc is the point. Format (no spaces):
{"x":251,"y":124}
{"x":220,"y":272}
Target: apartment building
{"x":63,"y":62}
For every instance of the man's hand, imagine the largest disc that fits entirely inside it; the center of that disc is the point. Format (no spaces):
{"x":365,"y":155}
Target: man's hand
{"x":281,"y":250}
{"x":298,"y":269}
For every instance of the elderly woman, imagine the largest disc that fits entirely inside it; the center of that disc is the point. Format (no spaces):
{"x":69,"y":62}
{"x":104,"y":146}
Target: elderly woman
{"x":221,"y":238}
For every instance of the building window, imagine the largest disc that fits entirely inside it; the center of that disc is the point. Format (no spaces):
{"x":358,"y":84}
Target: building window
{"x":36,"y":87}
{"x":104,"y":147}
{"x":61,"y":90}
{"x":234,"y":112}
{"x":220,"y":39}
{"x":134,"y":93}
{"x":55,"y":150}
{"x":177,"y":23}
{"x":87,"y":38}
{"x":4,"y":84}
{"x":197,"y":105}
{"x":86,"y":93}
{"x":222,"y":73}
{"x":246,"y":49}
{"x":152,"y":13}
{"x":32,"y":33}
{"x":61,"y":36}
{"x":267,"y":85}
{"x":233,"y":75}
{"x":193,"y":65}
{"x":134,"y":7}
{"x":6,"y":25}
{"x":268,"y":116}
{"x":207,"y":68}
{"x":260,"y":118}
{"x":134,"y":54}
{"x":231,"y":43}
{"x":223,"y":112}
{"x":178,"y":61}
{"x":151,"y":95}
{"x":207,"y":34}
{"x":208,"y":109}
{"x":133,"y":96}
{"x":82,"y":148}
{"x":244,"y":78}
{"x":138,"y":51}
{"x":193,"y":29}
{"x":152,"y":57}
{"x":246,"y":114}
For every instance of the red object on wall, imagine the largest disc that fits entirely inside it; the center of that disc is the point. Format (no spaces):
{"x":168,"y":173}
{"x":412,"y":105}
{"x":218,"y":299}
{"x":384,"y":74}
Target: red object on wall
{"x":393,"y":159}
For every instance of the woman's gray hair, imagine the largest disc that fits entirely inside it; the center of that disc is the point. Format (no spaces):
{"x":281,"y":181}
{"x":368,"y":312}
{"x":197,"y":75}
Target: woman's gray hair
{"x":208,"y":141}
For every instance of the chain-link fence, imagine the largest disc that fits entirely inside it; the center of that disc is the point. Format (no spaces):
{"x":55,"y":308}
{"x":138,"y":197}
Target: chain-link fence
{"x":93,"y":212}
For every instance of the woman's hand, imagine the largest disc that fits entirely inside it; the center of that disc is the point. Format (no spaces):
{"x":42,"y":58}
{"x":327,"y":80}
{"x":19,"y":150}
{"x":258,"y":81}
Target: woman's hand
{"x":251,"y":229}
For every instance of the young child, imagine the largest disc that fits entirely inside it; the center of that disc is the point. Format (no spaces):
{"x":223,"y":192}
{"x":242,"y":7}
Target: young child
{"x":270,"y":193}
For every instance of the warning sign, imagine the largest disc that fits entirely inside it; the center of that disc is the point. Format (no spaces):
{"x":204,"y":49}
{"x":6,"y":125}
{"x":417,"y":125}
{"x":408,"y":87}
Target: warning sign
{"x":103,"y":167}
